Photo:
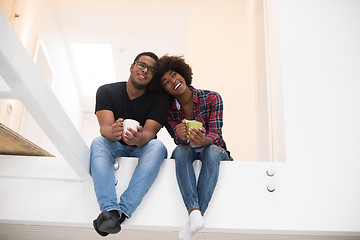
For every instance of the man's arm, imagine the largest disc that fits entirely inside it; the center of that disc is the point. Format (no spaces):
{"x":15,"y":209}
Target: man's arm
{"x":108,"y":127}
{"x":150,"y":130}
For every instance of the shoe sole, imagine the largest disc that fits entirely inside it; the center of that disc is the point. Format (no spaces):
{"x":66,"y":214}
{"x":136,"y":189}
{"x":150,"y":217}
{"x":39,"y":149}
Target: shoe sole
{"x":104,"y":234}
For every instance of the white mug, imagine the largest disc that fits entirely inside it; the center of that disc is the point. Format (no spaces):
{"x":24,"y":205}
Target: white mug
{"x":130,"y":123}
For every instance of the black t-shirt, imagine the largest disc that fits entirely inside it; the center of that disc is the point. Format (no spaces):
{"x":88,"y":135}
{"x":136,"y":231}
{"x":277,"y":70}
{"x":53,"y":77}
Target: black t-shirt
{"x":151,"y":105}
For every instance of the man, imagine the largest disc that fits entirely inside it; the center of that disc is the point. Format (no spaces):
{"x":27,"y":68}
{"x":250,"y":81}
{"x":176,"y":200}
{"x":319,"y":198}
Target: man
{"x":114,"y":103}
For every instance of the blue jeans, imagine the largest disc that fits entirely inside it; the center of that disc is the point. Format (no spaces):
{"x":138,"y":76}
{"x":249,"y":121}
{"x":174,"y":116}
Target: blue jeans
{"x":102,"y":155}
{"x":198,"y":196}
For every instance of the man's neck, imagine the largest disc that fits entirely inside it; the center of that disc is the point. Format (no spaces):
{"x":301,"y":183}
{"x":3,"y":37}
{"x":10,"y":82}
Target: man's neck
{"x":134,"y":92}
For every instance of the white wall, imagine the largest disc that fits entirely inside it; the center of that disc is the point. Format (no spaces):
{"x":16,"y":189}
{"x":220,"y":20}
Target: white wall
{"x":37,"y":21}
{"x":320,"y":61}
{"x":320,"y":71}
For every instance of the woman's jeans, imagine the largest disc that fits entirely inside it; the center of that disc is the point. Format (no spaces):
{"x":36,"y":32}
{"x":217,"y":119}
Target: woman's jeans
{"x":198,"y":196}
{"x":102,"y":156}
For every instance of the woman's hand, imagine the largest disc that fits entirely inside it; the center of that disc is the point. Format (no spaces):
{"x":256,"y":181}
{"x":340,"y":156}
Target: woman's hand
{"x":196,"y":136}
{"x":181,"y":131}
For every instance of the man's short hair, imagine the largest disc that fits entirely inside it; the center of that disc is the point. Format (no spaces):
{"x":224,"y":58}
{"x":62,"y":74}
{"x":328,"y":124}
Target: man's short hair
{"x":149,"y":54}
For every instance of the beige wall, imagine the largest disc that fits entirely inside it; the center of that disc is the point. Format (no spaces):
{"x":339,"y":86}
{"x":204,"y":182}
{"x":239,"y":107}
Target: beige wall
{"x":220,"y":52}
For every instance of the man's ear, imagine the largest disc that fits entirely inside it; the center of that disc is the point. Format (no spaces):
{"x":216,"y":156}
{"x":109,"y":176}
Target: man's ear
{"x":131,"y":67}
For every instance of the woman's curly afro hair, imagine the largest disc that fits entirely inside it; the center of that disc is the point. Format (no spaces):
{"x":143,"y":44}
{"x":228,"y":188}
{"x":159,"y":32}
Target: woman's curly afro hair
{"x":175,"y":63}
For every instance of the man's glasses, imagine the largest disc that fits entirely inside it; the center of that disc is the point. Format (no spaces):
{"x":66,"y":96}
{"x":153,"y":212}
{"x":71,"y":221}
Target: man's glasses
{"x":142,"y":65}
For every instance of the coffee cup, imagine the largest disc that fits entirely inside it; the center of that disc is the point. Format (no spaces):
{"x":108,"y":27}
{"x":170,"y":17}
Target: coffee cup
{"x":130,"y":123}
{"x":193,"y":124}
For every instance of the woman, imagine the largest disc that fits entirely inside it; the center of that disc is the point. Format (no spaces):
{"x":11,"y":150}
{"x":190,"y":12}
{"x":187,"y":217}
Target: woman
{"x":205,"y":143}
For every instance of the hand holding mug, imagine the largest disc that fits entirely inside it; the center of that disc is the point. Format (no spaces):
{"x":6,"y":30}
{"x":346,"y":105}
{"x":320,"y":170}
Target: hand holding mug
{"x":181,"y":130}
{"x":195,"y":132}
{"x":117,"y":129}
{"x":132,"y":132}
{"x":196,"y":136}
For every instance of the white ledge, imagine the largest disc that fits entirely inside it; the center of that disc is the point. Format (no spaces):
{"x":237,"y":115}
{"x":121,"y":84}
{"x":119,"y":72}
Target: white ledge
{"x":241,"y":199}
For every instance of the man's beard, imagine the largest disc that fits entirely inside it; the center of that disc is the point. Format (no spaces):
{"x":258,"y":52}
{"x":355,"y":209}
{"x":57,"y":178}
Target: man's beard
{"x":138,"y":86}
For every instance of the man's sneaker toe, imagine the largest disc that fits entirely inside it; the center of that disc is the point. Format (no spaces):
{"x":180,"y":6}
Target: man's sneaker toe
{"x":106,"y":223}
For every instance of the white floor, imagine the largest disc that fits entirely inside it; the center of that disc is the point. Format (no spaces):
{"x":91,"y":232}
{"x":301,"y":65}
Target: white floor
{"x":36,"y":232}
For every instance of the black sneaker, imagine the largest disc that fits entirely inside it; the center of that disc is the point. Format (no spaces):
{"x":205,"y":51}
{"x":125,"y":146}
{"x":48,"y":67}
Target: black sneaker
{"x":106,"y":223}
{"x":122,"y":217}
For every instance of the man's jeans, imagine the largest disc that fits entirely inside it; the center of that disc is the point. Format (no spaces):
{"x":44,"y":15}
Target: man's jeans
{"x":198,"y":196}
{"x":102,"y":157}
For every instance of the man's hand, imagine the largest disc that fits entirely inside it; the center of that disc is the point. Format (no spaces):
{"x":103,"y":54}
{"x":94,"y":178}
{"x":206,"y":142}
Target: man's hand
{"x":181,"y":131}
{"x":118,"y":129}
{"x":196,"y":136}
{"x":132,"y":137}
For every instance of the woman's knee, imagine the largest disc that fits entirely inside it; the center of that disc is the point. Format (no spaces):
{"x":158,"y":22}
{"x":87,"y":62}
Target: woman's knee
{"x":179,"y":152}
{"x":213,"y":154}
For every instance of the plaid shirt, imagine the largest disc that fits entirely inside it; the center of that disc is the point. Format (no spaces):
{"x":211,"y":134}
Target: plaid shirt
{"x":208,"y":109}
